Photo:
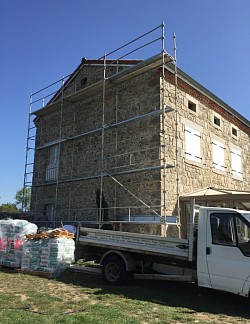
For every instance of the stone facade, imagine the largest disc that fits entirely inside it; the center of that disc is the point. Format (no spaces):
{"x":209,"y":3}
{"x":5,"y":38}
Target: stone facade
{"x":194,"y":176}
{"x":113,"y":136}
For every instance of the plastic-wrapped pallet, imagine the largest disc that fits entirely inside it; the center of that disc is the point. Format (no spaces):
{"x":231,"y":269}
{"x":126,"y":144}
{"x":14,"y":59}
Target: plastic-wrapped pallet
{"x":31,"y":255}
{"x":51,"y":255}
{"x":12,"y":236}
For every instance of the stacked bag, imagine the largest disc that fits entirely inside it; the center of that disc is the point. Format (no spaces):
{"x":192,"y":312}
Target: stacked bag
{"x":21,"y":246}
{"x":12,"y":237}
{"x":51,"y":251}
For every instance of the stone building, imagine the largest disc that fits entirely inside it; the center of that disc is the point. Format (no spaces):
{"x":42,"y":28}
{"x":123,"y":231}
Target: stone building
{"x":138,"y":138}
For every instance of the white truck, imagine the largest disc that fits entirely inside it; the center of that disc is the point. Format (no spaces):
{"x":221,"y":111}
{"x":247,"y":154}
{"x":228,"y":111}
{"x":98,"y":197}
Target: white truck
{"x":216,"y":254}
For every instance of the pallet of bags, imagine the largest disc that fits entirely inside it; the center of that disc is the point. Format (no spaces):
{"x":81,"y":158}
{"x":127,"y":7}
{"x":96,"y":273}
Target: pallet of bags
{"x":51,"y":255}
{"x":12,"y":237}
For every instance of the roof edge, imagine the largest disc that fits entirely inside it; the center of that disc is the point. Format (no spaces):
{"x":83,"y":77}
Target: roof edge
{"x":193,"y":83}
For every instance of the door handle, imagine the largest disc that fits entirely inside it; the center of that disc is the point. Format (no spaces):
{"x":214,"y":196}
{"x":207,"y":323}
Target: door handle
{"x":208,"y":250}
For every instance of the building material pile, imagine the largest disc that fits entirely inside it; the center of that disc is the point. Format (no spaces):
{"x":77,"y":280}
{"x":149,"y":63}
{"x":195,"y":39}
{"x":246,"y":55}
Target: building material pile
{"x":12,"y":237}
{"x":49,"y":252}
{"x":58,"y":232}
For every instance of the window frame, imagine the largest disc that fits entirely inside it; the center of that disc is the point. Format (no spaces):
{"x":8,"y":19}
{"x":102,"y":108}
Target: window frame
{"x":49,"y":212}
{"x":221,"y":240}
{"x":244,"y":247}
{"x":192,"y":106}
{"x":217,"y":121}
{"x":53,"y":163}
{"x":234,"y":130}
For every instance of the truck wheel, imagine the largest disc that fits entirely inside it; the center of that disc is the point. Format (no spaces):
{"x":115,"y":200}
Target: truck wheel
{"x":114,"y":271}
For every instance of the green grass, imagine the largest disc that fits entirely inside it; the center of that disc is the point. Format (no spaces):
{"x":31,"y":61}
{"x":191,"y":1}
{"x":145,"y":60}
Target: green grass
{"x":82,"y":298}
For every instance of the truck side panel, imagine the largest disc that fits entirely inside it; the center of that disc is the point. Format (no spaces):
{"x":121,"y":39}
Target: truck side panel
{"x":134,"y":242}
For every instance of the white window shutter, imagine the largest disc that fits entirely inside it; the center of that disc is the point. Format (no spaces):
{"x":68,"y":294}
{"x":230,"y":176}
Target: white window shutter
{"x":218,"y":155}
{"x":188,"y":143}
{"x":236,"y":162}
{"x":192,"y":144}
{"x":197,"y":146}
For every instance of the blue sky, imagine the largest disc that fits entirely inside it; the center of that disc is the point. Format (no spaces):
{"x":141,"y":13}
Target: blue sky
{"x":41,"y":41}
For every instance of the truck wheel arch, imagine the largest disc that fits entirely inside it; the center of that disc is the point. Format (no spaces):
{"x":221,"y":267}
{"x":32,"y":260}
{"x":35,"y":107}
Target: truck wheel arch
{"x":127,"y":258}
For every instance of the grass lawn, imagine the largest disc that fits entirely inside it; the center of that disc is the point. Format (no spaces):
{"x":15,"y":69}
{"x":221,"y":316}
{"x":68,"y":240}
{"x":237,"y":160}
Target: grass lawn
{"x":83,"y":298}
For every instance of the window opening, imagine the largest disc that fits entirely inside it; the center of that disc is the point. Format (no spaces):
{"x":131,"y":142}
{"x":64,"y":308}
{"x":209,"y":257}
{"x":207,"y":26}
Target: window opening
{"x":191,"y":106}
{"x":53,"y":163}
{"x":234,"y":132}
{"x":83,"y":81}
{"x":222,"y":229}
{"x":49,"y":214}
{"x":230,"y":229}
{"x":243,"y":236}
{"x":217,"y":121}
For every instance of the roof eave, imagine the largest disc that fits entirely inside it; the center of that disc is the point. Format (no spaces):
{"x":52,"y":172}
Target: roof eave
{"x":122,"y":76}
{"x":196,"y":85}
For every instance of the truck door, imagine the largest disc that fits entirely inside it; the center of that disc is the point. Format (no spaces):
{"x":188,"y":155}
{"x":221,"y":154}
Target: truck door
{"x":228,"y":251}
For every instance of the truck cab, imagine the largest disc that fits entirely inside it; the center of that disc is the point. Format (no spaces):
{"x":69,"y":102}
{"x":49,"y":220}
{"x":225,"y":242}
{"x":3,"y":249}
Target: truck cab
{"x":223,"y":250}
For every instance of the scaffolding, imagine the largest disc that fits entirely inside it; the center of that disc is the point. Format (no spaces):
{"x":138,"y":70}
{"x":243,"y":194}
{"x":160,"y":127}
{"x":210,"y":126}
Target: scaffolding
{"x":114,"y":72}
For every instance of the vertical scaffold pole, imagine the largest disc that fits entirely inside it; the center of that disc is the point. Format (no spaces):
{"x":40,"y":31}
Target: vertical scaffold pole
{"x":176,"y":131}
{"x":102,"y":142}
{"x":163,"y":122}
{"x":26,"y":155}
{"x":116,"y":138}
{"x":58,"y":158}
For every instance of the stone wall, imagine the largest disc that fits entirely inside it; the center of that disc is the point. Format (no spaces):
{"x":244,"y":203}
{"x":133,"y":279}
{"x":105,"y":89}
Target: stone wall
{"x":192,"y":175}
{"x":131,"y":146}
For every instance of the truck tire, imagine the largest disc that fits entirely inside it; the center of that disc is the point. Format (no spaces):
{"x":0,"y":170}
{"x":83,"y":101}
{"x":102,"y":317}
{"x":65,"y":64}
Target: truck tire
{"x":114,"y":271}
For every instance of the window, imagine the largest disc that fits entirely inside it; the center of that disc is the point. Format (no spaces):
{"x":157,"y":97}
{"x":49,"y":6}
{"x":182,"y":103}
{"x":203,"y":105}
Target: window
{"x":236,"y":163}
{"x":53,"y":154}
{"x":230,"y":229}
{"x":53,"y":161}
{"x":234,"y":132}
{"x":222,"y":228}
{"x":83,"y":81}
{"x":191,"y":106}
{"x":218,"y":150}
{"x":49,"y":213}
{"x":216,"y":121}
{"x":243,"y":236}
{"x":192,"y":144}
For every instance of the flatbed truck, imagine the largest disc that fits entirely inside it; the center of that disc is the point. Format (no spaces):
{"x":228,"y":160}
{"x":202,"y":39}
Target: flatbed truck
{"x":216,"y":254}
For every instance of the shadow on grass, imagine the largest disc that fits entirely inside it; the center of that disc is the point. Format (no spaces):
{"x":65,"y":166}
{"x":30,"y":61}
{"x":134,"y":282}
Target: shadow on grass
{"x":172,"y":294}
